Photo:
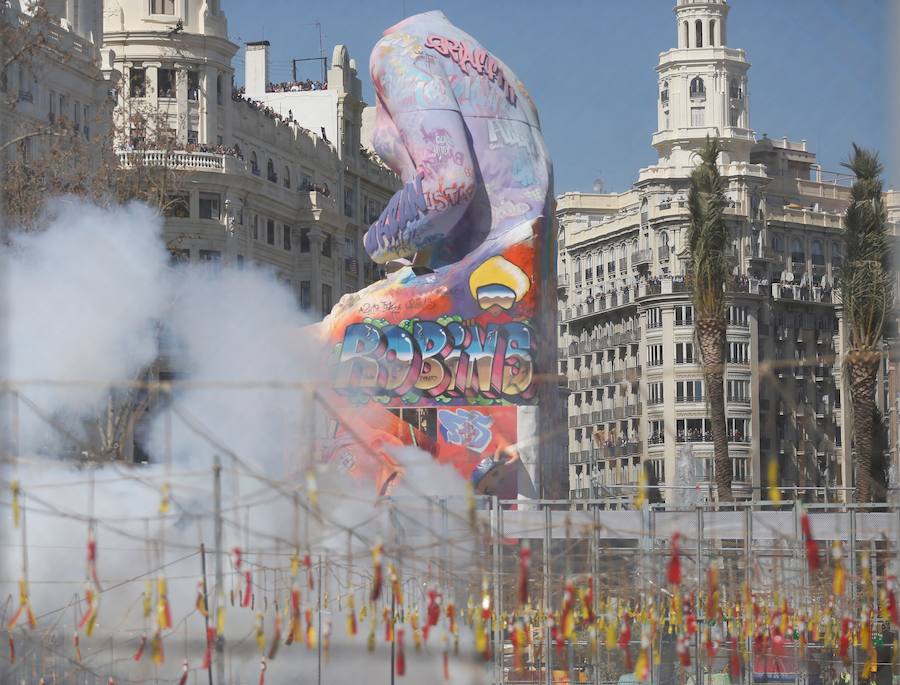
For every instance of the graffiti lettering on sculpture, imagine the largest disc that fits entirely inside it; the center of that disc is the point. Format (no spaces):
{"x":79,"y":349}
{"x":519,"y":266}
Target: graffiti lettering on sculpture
{"x":451,"y":362}
{"x":466,"y":427}
{"x":481,"y":61}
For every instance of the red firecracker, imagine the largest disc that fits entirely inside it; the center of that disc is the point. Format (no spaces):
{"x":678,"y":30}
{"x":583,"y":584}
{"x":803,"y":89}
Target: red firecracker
{"x":276,"y":636}
{"x":735,"y":660}
{"x":892,"y":601}
{"x":625,"y":641}
{"x":844,"y":647}
{"x":294,"y":630}
{"x":812,"y":549}
{"x":139,"y":653}
{"x":207,"y":653}
{"x":588,"y":601}
{"x":673,"y":574}
{"x":432,"y":613}
{"x":184,"y":673}
{"x":262,"y":671}
{"x":401,"y":655}
{"x":248,"y":588}
{"x":307,"y":562}
{"x":92,"y":559}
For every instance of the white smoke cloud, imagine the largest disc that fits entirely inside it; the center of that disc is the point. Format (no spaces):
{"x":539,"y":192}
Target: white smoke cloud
{"x":88,"y":295}
{"x":85,"y":296}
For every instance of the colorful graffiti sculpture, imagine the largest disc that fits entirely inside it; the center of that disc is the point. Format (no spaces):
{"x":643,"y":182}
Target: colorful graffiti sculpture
{"x":467,"y":317}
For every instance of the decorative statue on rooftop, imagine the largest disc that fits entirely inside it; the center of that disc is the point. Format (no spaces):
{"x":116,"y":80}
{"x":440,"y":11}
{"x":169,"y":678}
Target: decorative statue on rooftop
{"x":464,"y":323}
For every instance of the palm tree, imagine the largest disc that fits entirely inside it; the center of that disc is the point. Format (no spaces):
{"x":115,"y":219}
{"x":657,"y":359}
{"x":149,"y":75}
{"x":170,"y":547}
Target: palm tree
{"x":710,"y":268}
{"x":867,"y":297}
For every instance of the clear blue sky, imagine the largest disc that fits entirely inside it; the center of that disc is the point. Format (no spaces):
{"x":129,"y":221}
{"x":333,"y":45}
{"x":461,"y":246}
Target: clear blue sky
{"x":820,"y":68}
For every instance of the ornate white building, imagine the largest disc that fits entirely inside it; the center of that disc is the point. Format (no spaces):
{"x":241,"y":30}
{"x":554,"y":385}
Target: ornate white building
{"x":286,"y":185}
{"x":51,"y":79}
{"x":627,"y":348}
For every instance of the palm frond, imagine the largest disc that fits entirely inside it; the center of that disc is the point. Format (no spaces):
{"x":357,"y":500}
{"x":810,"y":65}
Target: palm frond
{"x":708,"y":234}
{"x":866,"y":288}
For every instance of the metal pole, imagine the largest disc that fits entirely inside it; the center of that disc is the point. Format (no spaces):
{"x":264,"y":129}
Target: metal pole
{"x":393,"y":636}
{"x":852,"y":540}
{"x":498,"y":597}
{"x":205,"y":602}
{"x":294,"y":70}
{"x":319,"y":625}
{"x":595,"y":574}
{"x":748,"y":575}
{"x":800,"y":568}
{"x":651,"y":524}
{"x":548,"y":648}
{"x":220,"y":581}
{"x":698,"y":669}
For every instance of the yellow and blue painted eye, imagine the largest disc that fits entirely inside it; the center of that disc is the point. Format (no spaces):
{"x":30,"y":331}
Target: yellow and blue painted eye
{"x":498,"y":282}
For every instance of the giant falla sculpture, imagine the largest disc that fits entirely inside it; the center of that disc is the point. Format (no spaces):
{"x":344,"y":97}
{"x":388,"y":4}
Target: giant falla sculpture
{"x":463,"y":326}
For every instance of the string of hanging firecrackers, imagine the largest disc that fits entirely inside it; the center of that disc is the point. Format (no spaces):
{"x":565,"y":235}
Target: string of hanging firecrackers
{"x":676,"y":611}
{"x":292,"y":606}
{"x":92,"y":585}
{"x":712,"y":614}
{"x":838,"y":587}
{"x":24,"y":608}
{"x":867,"y":619}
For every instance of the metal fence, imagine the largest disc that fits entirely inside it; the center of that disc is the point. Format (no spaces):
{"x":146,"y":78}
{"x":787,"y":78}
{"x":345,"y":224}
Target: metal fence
{"x":625,"y":552}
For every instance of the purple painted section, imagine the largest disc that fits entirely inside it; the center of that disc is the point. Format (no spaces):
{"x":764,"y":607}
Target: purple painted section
{"x":462,"y":132}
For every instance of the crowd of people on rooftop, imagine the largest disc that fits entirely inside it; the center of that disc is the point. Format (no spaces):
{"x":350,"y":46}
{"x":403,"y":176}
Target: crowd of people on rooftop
{"x":295,"y":86}
{"x":238,"y":95}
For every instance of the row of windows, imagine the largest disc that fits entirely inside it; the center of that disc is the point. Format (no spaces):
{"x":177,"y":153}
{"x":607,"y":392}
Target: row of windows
{"x":699,"y":430}
{"x":798,"y":248}
{"x":684,"y":316}
{"x":692,"y":391}
{"x":738,"y":353}
{"x":612,"y":257}
{"x":58,"y":104}
{"x":166,"y":83}
{"x":178,"y":205}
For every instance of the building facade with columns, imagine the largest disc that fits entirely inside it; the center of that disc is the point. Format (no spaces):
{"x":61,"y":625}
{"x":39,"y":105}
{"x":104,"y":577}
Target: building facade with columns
{"x":636,"y":396}
{"x":287,"y":187}
{"x":52,"y":76}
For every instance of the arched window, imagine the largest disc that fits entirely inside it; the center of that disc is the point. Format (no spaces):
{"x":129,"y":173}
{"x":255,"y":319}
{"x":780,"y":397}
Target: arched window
{"x":712,"y":33}
{"x":587,"y":261}
{"x":817,"y":247}
{"x":270,"y":171}
{"x":286,"y":179}
{"x":698,"y":27}
{"x":220,"y":91}
{"x":664,"y":93}
{"x":254,"y":164}
{"x":687,"y":35}
{"x":577,"y":265}
{"x":663,"y":239}
{"x":734,"y":89}
{"x":698,"y":88}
